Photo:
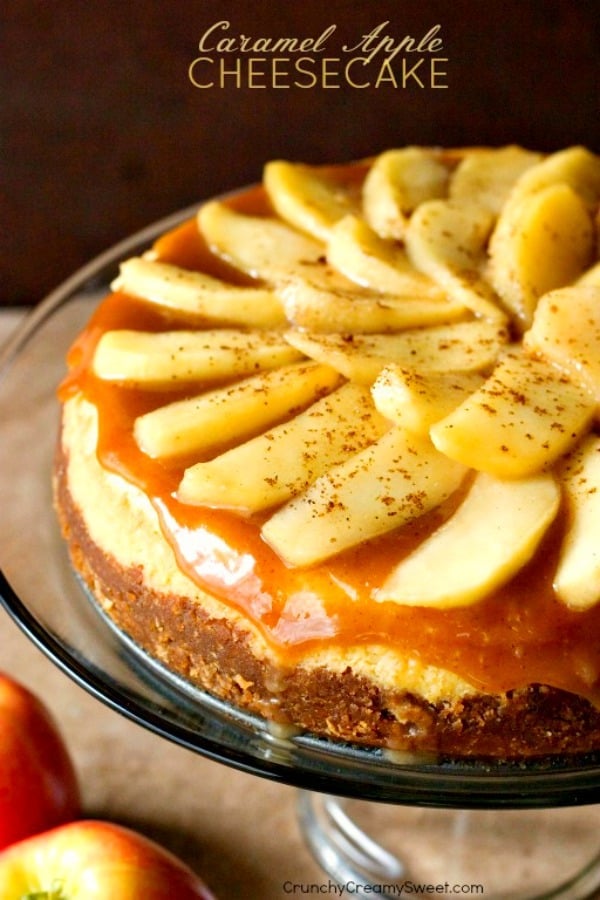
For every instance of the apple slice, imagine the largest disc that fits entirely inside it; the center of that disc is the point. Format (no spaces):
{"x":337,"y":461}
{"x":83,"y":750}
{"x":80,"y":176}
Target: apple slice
{"x":486,"y":177}
{"x":397,"y":182}
{"x":330,"y":308}
{"x":544,"y":241}
{"x":447,"y":240}
{"x":591,"y":277}
{"x":492,"y":535}
{"x":462,"y":346}
{"x":307,"y":198}
{"x":524,"y":416}
{"x":199,"y":295}
{"x":577,"y":578}
{"x":232,"y":413}
{"x":360,"y":254}
{"x":566,"y":330}
{"x":260,"y":246}
{"x":391,"y":482}
{"x":415,"y":400}
{"x":272,"y":467}
{"x":169,"y":358}
{"x":576,"y":167}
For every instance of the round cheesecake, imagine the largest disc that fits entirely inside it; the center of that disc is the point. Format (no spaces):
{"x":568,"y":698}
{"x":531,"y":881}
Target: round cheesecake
{"x":329,"y":451}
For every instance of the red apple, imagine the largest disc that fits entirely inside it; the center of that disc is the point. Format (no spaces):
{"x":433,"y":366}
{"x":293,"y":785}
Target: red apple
{"x":96,"y":860}
{"x":38,"y":784}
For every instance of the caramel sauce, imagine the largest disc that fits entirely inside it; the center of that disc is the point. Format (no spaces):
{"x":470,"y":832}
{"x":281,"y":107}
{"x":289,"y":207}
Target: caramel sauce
{"x":520,"y":635}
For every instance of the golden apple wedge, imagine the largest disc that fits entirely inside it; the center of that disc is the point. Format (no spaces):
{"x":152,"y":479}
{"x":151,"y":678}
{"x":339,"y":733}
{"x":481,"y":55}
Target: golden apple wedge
{"x":415,"y":400}
{"x":447,"y":240}
{"x":397,"y":182}
{"x":492,"y":535}
{"x":261,"y":246}
{"x":169,"y":358}
{"x":198,"y":295}
{"x":365,"y":258}
{"x":486,"y":177}
{"x":577,"y":578}
{"x":575,"y":166}
{"x":306,"y":198}
{"x":283,"y":461}
{"x":216,"y":418}
{"x":348,"y":308}
{"x":543,"y":242}
{"x":566,"y":330}
{"x":461,"y":346}
{"x":391,"y":482}
{"x":520,"y":421}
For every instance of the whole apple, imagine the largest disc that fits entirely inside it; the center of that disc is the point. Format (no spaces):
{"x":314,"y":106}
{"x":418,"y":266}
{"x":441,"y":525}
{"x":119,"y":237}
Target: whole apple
{"x":95,"y":860}
{"x":38,"y":784}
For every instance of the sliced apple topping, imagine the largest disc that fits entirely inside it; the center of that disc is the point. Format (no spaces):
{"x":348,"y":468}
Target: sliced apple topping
{"x":305,"y":197}
{"x":199,"y":295}
{"x":350,"y":309}
{"x":544,"y":235}
{"x":416,"y":399}
{"x":520,"y":421}
{"x":262,"y":247}
{"x":462,"y":347}
{"x":232,"y":413}
{"x":447,"y":240}
{"x":362,"y":256}
{"x":168,"y":358}
{"x":542,"y":242}
{"x":591,"y":276}
{"x":286,"y":459}
{"x":500,"y":524}
{"x":577,"y":579}
{"x":397,"y":183}
{"x":396,"y":479}
{"x":487,"y":176}
{"x":575,"y":166}
{"x":425,"y":321}
{"x":566,"y":330}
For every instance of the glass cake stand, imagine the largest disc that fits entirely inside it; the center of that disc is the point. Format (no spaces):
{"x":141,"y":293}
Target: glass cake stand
{"x":501,"y":831}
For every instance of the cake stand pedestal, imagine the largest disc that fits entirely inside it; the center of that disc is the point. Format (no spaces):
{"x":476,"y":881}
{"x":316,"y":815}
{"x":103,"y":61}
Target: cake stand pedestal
{"x":394,"y":851}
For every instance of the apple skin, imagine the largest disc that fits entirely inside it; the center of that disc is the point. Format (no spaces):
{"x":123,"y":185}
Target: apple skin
{"x":95,"y":860}
{"x":38,"y":783}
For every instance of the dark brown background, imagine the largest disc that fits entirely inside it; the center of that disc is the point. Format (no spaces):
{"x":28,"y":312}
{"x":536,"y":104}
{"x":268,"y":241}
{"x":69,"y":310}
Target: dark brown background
{"x":102,"y":132}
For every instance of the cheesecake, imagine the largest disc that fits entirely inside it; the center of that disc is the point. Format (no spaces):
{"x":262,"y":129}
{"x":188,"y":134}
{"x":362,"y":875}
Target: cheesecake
{"x":329,"y":451}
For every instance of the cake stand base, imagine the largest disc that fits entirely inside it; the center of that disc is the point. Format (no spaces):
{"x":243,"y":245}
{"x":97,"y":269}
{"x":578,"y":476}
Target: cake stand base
{"x":394,"y":851}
